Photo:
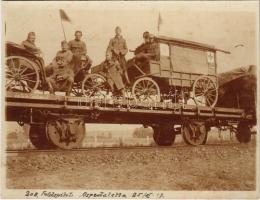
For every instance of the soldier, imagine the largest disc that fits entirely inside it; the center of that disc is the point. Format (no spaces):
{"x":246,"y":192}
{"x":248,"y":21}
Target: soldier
{"x":29,"y":45}
{"x":113,"y":73}
{"x":62,"y":76}
{"x":117,"y":46}
{"x":148,"y":50}
{"x":78,"y":49}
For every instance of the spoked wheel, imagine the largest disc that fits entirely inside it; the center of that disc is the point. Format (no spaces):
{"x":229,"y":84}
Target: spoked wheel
{"x":21,"y":75}
{"x":205,"y":91}
{"x":146,"y":89}
{"x":194,"y":133}
{"x":164,"y":135}
{"x":94,"y":85}
{"x":66,"y":133}
{"x":76,"y":90}
{"x":38,"y":138}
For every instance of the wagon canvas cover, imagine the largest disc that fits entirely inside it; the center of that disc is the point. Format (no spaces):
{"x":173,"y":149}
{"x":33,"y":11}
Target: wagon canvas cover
{"x":237,"y":88}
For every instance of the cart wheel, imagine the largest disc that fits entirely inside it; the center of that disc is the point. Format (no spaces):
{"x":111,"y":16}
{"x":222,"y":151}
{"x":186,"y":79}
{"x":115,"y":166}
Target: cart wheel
{"x":243,"y":133}
{"x":194,"y":133}
{"x":66,"y":134}
{"x":38,"y":138}
{"x":21,"y":75}
{"x":164,"y":135}
{"x":146,"y":89}
{"x":94,"y":85}
{"x":205,"y":91}
{"x":76,"y":90}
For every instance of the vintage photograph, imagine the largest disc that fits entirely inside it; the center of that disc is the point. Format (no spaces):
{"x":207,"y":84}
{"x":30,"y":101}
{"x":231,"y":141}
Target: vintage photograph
{"x":121,"y":99}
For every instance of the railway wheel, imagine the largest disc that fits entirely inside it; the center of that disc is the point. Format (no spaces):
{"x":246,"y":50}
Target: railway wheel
{"x":243,"y":133}
{"x":205,"y":91}
{"x":38,"y":138}
{"x":66,"y":133}
{"x":146,"y":89}
{"x":21,"y":75}
{"x":164,"y":135}
{"x":94,"y":85}
{"x":194,"y":133}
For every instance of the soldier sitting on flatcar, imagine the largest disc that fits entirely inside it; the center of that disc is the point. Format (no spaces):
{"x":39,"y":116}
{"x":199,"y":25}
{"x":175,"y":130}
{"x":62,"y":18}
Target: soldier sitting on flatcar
{"x":62,"y":76}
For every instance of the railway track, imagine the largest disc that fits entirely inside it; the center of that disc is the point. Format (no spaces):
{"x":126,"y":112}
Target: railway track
{"x":181,"y":146}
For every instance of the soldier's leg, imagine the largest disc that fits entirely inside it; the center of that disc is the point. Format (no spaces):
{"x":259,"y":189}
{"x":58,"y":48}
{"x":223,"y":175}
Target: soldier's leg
{"x":51,"y":85}
{"x":70,"y":82}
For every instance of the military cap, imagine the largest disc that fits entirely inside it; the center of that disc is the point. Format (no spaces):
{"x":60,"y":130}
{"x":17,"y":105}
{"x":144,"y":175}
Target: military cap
{"x":146,"y":34}
{"x":78,"y":32}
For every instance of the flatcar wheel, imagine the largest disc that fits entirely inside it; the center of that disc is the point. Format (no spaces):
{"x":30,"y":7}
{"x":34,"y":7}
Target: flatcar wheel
{"x":205,"y":91}
{"x":194,"y":133}
{"x":38,"y":138}
{"x":66,"y":134}
{"x":243,"y":133}
{"x":164,"y":135}
{"x":146,"y":89}
{"x":21,"y":75}
{"x":94,"y":85}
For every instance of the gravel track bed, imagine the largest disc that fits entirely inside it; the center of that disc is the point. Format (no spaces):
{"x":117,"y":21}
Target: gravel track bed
{"x":208,"y":167}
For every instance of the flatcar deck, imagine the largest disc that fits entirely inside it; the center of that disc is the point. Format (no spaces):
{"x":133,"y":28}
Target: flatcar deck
{"x":19,"y":105}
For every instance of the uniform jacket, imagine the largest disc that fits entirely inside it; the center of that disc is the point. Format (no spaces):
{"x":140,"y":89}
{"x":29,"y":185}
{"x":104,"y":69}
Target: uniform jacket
{"x":78,"y":48}
{"x":149,"y":48}
{"x":117,"y":45}
{"x":113,"y":73}
{"x":30,"y":47}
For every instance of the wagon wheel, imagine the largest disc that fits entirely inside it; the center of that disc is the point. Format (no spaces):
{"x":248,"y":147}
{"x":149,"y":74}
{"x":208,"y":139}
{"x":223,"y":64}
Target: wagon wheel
{"x":194,"y":133}
{"x":21,"y":75}
{"x":76,"y":89}
{"x":146,"y":89}
{"x":66,"y":134}
{"x":94,"y":85}
{"x":205,"y":91}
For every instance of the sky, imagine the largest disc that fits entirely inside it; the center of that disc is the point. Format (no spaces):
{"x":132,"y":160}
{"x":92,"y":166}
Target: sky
{"x":219,"y":23}
{"x":222,"y":24}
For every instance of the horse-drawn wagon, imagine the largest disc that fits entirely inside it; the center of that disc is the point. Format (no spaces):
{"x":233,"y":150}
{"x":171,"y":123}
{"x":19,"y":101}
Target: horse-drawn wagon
{"x":186,"y":70}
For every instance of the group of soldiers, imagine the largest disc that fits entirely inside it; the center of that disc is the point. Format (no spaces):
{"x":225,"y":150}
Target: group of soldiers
{"x":72,"y":59}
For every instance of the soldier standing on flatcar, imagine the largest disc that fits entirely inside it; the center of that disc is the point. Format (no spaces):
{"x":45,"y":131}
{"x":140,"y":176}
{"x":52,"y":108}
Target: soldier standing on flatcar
{"x":79,"y":50}
{"x":118,"y":47}
{"x":62,"y":75}
{"x":113,"y":73}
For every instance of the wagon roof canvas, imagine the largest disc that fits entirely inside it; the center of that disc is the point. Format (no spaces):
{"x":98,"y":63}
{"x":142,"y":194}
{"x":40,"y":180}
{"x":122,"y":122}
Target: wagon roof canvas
{"x":188,"y":43}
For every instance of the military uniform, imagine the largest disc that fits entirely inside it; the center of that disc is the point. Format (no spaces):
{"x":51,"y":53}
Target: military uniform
{"x":79,"y":49}
{"x":117,"y":46}
{"x":149,"y":50}
{"x":62,"y":76}
{"x":31,"y":47}
{"x":113,"y":73}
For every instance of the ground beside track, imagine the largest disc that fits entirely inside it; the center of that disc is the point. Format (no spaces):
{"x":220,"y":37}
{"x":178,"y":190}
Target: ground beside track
{"x":227,"y":166}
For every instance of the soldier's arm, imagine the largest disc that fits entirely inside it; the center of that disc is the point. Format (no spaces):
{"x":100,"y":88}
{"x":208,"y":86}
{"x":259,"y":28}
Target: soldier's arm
{"x":31,"y":47}
{"x":110,"y":46}
{"x":125,"y":49}
{"x":84,"y":48}
{"x":70,"y":56}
